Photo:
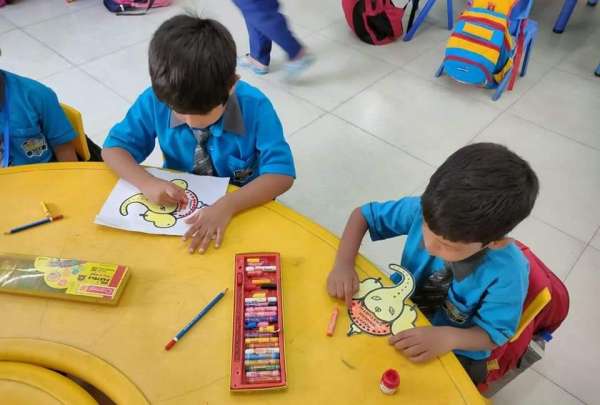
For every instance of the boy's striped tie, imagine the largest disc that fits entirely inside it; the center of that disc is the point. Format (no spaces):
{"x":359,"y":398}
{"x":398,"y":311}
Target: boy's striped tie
{"x":202,"y":161}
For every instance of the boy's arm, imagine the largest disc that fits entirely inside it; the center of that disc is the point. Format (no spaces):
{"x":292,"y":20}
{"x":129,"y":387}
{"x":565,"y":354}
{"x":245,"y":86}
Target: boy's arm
{"x":157,"y":190}
{"x":65,"y":152}
{"x":210,"y":222}
{"x":259,"y":191}
{"x":342,"y":281}
{"x":425,"y":343}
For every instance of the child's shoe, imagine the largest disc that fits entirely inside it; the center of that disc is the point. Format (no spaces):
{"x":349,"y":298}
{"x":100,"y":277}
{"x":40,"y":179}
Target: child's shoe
{"x":298,"y":66}
{"x":247,"y":62}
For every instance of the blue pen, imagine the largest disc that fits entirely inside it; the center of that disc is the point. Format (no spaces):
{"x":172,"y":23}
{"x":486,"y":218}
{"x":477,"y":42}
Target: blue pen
{"x":189,"y":326}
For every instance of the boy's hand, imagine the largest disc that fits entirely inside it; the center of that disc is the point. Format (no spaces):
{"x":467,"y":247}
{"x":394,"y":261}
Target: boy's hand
{"x":207,"y":224}
{"x":342,"y":282}
{"x":424,"y":343}
{"x":163,"y":192}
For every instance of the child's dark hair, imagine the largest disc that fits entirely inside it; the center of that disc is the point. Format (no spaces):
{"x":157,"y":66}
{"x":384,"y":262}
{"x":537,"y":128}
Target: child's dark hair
{"x":479,"y":194}
{"x":192,"y":64}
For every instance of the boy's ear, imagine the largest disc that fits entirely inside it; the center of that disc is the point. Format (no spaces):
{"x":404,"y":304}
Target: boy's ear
{"x":499,"y":244}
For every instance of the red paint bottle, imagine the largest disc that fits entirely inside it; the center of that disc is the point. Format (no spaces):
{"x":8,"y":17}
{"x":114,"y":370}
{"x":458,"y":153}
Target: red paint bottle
{"x":390,"y":380}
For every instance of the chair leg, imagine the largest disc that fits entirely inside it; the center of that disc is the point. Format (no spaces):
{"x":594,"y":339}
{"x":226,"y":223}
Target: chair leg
{"x":526,"y":57}
{"x":518,"y":53}
{"x":563,"y":17}
{"x":450,"y":11}
{"x":440,"y":70}
{"x":419,"y":20}
{"x":502,"y":85}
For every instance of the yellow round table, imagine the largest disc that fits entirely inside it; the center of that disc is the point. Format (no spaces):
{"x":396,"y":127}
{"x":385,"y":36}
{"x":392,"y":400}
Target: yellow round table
{"x":120,"y":349}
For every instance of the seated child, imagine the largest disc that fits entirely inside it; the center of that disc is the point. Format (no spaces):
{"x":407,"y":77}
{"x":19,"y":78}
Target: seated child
{"x":470,"y":279}
{"x":207,"y":122}
{"x":38,"y":130}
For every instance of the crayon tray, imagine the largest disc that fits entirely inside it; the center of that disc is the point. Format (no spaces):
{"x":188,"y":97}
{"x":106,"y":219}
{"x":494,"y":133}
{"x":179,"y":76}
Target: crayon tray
{"x":257,"y":355}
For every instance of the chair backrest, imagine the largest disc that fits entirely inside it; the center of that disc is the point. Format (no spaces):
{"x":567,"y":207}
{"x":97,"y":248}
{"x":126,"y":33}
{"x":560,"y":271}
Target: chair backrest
{"x":80,"y":142}
{"x":544,"y":309}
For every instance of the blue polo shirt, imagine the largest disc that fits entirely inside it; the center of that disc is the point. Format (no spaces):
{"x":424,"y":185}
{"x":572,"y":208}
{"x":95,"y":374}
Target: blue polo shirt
{"x":490,"y":295}
{"x":37,"y":123}
{"x":246,"y":142}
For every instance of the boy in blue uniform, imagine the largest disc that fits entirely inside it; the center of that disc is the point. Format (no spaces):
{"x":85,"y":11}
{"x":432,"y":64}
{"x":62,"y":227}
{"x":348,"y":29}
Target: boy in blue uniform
{"x":33,"y":126}
{"x":471,"y":280}
{"x":207,"y":122}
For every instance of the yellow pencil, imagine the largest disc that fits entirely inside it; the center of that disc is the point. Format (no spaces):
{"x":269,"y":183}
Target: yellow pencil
{"x":46,"y":211}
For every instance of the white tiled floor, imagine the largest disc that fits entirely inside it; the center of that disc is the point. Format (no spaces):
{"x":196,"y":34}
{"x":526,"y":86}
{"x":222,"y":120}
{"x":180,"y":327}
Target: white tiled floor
{"x":373,"y":123}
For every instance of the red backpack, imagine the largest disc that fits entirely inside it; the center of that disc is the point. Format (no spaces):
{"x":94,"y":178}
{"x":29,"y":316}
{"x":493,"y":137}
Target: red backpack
{"x":376,"y":22}
{"x":545,"y":308}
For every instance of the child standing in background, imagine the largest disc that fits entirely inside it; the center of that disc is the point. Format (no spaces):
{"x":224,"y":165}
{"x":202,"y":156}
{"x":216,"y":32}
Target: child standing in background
{"x":266,"y":25}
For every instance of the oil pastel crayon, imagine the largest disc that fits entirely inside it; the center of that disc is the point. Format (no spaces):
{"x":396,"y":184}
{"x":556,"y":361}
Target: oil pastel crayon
{"x":269,"y":328}
{"x":259,"y":319}
{"x":252,"y":287}
{"x":261,"y":281}
{"x":271,"y":349}
{"x":262,"y":340}
{"x":259,"y":295}
{"x":269,"y":362}
{"x":259,"y":267}
{"x":272,"y":367}
{"x":263,"y":356}
{"x":258,"y":335}
{"x":263,"y":374}
{"x":263,"y":380}
{"x":258,"y":309}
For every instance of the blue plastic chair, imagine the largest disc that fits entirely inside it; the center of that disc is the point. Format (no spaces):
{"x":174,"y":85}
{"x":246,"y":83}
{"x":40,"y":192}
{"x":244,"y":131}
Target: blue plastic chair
{"x":524,"y":31}
{"x":421,"y":17}
{"x":597,"y":72}
{"x":565,"y":14}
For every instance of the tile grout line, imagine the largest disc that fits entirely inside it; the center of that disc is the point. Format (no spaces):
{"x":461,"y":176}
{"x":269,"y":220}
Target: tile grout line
{"x":558,"y":386}
{"x":73,"y":66}
{"x":96,"y":58}
{"x":595,"y":148}
{"x":70,"y":12}
{"x":44,"y":45}
{"x":383,"y":140}
{"x":367,"y":87}
{"x":321,"y":115}
{"x":587,"y":245}
{"x":557,"y":228}
{"x":590,"y":78}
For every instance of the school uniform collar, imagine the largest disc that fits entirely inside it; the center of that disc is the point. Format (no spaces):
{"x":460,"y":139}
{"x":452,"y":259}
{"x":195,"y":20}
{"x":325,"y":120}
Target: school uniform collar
{"x":465,"y":267}
{"x":231,"y":121}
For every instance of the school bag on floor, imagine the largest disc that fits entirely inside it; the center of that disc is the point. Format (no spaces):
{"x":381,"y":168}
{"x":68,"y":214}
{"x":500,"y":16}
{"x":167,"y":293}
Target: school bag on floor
{"x":376,"y":22}
{"x":545,"y":308}
{"x":480,"y":49}
{"x":134,"y":7}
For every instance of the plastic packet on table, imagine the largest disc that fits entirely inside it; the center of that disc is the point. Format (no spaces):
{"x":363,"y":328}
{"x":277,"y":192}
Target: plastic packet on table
{"x":69,"y":279}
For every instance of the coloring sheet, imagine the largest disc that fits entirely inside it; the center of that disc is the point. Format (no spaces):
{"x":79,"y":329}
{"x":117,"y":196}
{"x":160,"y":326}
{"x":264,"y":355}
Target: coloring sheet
{"x":127,"y":208}
{"x":381,"y":311}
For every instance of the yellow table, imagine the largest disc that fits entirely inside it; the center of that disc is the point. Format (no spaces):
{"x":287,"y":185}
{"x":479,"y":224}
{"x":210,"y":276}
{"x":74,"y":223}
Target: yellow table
{"x":120,"y":349}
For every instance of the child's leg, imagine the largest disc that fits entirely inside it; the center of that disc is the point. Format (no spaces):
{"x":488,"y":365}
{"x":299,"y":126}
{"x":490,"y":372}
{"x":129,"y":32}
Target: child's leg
{"x":264,"y":17}
{"x":260,"y":45}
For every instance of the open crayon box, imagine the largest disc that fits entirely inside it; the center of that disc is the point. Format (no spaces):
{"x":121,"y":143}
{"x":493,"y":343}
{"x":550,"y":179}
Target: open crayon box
{"x":257,"y":358}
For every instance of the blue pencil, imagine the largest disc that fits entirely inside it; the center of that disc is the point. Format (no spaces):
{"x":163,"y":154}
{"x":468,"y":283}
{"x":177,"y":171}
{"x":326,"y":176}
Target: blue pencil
{"x":189,"y":326}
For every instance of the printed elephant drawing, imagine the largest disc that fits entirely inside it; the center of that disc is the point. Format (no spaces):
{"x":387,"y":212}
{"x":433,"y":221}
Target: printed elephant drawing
{"x":379,"y":310}
{"x":164,"y":216}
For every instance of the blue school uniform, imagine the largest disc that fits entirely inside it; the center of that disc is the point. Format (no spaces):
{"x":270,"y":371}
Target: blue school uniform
{"x":246,"y":142}
{"x":487,"y":292}
{"x":32,"y":122}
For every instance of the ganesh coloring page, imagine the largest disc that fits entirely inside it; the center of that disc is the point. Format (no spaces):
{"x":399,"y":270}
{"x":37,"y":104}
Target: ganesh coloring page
{"x":127,"y":208}
{"x":379,"y":310}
